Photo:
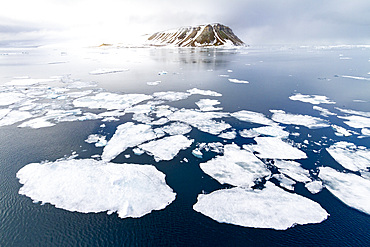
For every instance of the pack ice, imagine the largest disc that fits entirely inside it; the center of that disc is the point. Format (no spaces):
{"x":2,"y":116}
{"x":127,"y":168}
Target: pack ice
{"x":270,"y":207}
{"x":90,"y":186}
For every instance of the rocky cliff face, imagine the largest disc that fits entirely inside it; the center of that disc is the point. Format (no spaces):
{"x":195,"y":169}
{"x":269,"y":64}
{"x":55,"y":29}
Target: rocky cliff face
{"x":198,"y":36}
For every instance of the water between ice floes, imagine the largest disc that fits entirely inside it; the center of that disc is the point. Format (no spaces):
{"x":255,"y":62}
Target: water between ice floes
{"x":84,"y":132}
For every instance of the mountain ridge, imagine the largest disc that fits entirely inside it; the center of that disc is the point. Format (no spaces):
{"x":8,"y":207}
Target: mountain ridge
{"x":214,"y":34}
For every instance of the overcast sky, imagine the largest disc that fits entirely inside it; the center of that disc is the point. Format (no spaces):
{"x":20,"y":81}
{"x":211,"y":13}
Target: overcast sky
{"x":254,"y":21}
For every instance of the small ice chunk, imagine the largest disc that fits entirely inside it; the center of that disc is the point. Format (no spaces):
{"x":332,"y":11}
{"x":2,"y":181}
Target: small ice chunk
{"x":238,"y":81}
{"x":153,"y":83}
{"x":297,"y":119}
{"x":110,"y":101}
{"x":312,"y":99}
{"x":204,"y":92}
{"x":106,"y":71}
{"x":314,"y":187}
{"x":91,"y":186}
{"x":177,"y":128}
{"x":252,"y":117}
{"x":365,"y":131}
{"x":197,"y":153}
{"x":127,"y":135}
{"x":166,"y":148}
{"x":350,"y":156}
{"x":323,"y":112}
{"x":357,"y":122}
{"x":228,"y":135}
{"x":270,"y":207}
{"x":351,"y":189}
{"x":236,"y":167}
{"x":99,"y":140}
{"x":138,"y":151}
{"x":208,"y":105}
{"x":229,"y":71}
{"x":275,"y":148}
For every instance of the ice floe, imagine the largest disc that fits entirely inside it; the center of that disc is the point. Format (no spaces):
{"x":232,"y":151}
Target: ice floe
{"x":354,"y":112}
{"x":87,"y":185}
{"x":340,"y":131}
{"x":29,"y":81}
{"x":171,"y":96}
{"x":238,"y":81}
{"x":228,"y":135}
{"x":8,"y":98}
{"x":357,"y":122}
{"x":314,"y":187}
{"x":14,"y":116}
{"x":166,"y":148}
{"x":248,"y":133}
{"x":312,"y":99}
{"x":201,"y":120}
{"x":236,"y":167}
{"x":127,"y":135}
{"x":284,"y":181}
{"x":110,"y":101}
{"x":177,"y":128}
{"x":99,"y":140}
{"x":208,"y":105}
{"x":252,"y":117}
{"x":356,"y":77}
{"x":351,"y":189}
{"x":297,"y":119}
{"x":153,"y":83}
{"x":106,"y":71}
{"x":350,"y":156}
{"x":323,"y":112}
{"x":204,"y":92}
{"x":270,"y":207}
{"x":275,"y":131}
{"x":293,"y":170}
{"x":275,"y":148}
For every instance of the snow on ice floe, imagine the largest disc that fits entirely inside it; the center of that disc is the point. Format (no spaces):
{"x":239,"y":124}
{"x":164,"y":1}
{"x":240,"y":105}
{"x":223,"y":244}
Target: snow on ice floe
{"x":293,"y":170}
{"x":350,"y":156}
{"x":314,"y":187}
{"x":208,"y":105}
{"x":275,"y":148}
{"x":110,"y":101}
{"x":9,"y":98}
{"x":106,"y":71}
{"x":351,"y":189}
{"x":297,"y":119}
{"x":166,"y":148}
{"x":238,"y":81}
{"x":201,"y":120}
{"x":90,"y":186}
{"x":177,"y":128}
{"x":236,"y":167}
{"x":270,"y":207}
{"x":357,"y":122}
{"x":252,"y":117}
{"x":312,"y":99}
{"x":323,"y":112}
{"x":127,"y":135}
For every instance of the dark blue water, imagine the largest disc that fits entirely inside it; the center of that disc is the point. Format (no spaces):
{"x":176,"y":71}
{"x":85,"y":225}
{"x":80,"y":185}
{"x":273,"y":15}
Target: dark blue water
{"x":274,"y":75}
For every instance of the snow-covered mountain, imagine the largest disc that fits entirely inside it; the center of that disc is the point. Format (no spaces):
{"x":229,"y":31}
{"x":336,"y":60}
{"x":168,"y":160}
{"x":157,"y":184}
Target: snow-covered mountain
{"x":198,"y":36}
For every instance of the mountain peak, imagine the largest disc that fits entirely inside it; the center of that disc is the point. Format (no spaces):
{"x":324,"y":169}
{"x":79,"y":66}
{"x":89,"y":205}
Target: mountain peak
{"x":214,"y":34}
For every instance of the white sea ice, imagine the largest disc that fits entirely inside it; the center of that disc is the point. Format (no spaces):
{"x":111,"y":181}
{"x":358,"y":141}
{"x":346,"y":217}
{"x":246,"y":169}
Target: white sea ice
{"x":275,"y":148}
{"x":314,"y":187}
{"x":270,"y":207}
{"x":197,"y":153}
{"x":138,"y":151}
{"x":171,"y":96}
{"x":153,"y":83}
{"x":29,"y":81}
{"x":312,"y":99}
{"x":323,"y":112}
{"x":236,"y":167}
{"x":166,"y":148}
{"x":238,"y":81}
{"x":14,"y":116}
{"x":106,"y":71}
{"x":356,"y":77}
{"x":208,"y":105}
{"x":350,"y":156}
{"x":36,"y":123}
{"x":127,"y":135}
{"x":275,"y":131}
{"x":99,"y":140}
{"x":357,"y":122}
{"x":351,"y":189}
{"x":365,"y":131}
{"x":253,"y":117}
{"x":4,"y":112}
{"x":297,"y":119}
{"x":340,"y":131}
{"x":293,"y":170}
{"x":90,"y":186}
{"x":248,"y":133}
{"x":110,"y":101}
{"x":9,"y":98}
{"x":349,"y":111}
{"x":177,"y":128}
{"x":201,"y":120}
{"x":228,"y":135}
{"x":284,"y":181}
{"x":203,"y":92}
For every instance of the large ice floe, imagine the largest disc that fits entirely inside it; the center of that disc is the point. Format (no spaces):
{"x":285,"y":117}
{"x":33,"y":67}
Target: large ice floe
{"x":127,"y":135}
{"x":275,"y":148}
{"x":90,"y":186}
{"x":312,"y":99}
{"x":350,"y":156}
{"x":270,"y":207}
{"x":356,"y":121}
{"x":351,"y":189}
{"x":252,"y":117}
{"x":236,"y":167}
{"x":297,"y":119}
{"x":166,"y":148}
